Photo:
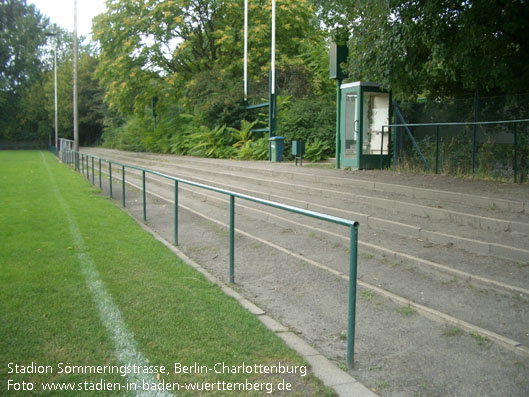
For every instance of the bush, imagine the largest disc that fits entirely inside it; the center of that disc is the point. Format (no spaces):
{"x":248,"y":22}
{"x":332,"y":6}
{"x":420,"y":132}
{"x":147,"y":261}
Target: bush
{"x":310,"y":119}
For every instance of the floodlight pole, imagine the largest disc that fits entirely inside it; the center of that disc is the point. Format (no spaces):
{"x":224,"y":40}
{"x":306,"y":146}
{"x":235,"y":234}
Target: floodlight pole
{"x":55,"y":90}
{"x":245,"y":78}
{"x":75,"y":109}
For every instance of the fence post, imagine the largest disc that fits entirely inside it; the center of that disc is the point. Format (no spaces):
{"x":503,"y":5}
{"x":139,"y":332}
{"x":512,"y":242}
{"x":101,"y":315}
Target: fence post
{"x":475,"y":139}
{"x":381,"y":147}
{"x":110,"y":177}
{"x":437,"y":151}
{"x":351,"y":317}
{"x":123,"y":184}
{"x":144,"y":201}
{"x":87,"y":168}
{"x":515,"y":168}
{"x":100,"y":182}
{"x":93,"y":183}
{"x":232,"y":238}
{"x":176,"y":212}
{"x":395,"y":149}
{"x":82,"y":164}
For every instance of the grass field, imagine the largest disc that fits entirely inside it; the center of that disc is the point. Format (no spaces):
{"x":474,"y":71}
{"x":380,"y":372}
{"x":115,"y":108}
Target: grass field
{"x":83,"y":285}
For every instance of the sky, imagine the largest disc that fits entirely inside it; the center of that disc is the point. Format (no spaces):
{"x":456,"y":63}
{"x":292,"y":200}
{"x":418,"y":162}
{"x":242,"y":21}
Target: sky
{"x":61,"y":12}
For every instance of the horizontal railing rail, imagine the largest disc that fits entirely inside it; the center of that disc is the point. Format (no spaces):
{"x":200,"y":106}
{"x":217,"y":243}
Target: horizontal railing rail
{"x":87,"y":161}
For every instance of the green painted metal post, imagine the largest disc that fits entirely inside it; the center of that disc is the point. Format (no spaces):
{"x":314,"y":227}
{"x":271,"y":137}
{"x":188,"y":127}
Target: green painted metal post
{"x":437,"y":151}
{"x":93,"y":182}
{"x":338,"y":123}
{"x":100,"y":181}
{"x":475,"y":137}
{"x":176,"y":212}
{"x":144,"y":196}
{"x":394,"y":148}
{"x":110,"y":177}
{"x":353,"y":263}
{"x":515,"y":165}
{"x":123,"y":184}
{"x":232,"y":239}
{"x":381,"y":147}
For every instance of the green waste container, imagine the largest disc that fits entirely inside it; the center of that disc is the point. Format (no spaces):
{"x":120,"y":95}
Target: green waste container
{"x":276,"y":148}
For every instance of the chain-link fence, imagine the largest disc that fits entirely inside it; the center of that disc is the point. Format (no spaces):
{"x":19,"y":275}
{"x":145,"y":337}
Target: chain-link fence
{"x":474,"y":136}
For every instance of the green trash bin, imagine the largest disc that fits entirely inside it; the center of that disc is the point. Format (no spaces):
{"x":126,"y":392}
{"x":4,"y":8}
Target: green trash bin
{"x":276,"y":148}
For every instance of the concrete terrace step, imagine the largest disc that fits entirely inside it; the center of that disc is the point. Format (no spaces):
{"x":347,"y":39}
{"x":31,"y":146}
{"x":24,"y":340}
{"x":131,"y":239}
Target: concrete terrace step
{"x":330,"y":177}
{"x":414,"y":283}
{"x":457,"y":262}
{"x":472,"y":215}
{"x":511,"y":246}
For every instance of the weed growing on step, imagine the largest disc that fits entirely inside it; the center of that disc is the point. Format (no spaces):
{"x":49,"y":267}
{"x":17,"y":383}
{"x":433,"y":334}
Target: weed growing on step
{"x":406,"y":311}
{"x":452,"y":332}
{"x":480,"y":339}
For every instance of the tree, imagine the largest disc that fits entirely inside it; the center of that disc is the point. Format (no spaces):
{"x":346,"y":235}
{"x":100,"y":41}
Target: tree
{"x":21,"y":38}
{"x":439,"y":47}
{"x":157,"y":48}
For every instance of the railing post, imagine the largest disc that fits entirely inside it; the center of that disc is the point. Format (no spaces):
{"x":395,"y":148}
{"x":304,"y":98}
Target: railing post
{"x":437,"y":151}
{"x":351,"y":317}
{"x":93,"y":183}
{"x":87,"y":168}
{"x":232,"y":238}
{"x":123,"y":184}
{"x":144,"y":198}
{"x":176,"y":212}
{"x":100,"y":181}
{"x":82,"y":164}
{"x":110,"y":177}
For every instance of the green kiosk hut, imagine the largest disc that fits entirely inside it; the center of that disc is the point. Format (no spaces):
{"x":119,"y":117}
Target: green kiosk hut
{"x":362,"y":109}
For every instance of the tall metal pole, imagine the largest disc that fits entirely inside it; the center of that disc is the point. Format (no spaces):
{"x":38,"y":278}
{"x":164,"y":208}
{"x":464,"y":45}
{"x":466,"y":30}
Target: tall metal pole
{"x":273,"y":60}
{"x":75,"y":111}
{"x":245,"y":78}
{"x":55,"y":91}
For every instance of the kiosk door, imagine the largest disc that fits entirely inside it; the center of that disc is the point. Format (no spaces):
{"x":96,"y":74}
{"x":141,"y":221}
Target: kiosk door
{"x":350,"y":130}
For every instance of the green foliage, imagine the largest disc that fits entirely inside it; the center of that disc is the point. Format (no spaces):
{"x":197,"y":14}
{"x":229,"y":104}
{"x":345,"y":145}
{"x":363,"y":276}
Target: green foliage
{"x":244,"y":135}
{"x":206,"y":142}
{"x":438,"y":48}
{"x":21,"y":40}
{"x":256,"y":150}
{"x":317,"y":150}
{"x":308,"y":119}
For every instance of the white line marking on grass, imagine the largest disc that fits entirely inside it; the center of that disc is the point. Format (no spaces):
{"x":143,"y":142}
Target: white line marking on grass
{"x":124,"y":343}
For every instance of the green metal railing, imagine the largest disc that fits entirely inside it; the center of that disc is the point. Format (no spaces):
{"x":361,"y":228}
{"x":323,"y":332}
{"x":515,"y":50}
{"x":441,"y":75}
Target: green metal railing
{"x":514,"y":129}
{"x":71,"y":158}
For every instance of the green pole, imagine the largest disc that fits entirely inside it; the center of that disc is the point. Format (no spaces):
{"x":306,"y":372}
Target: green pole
{"x":87,"y":168}
{"x":338,"y":122}
{"x":176,"y":212}
{"x":353,"y":263}
{"x":475,"y":137}
{"x":93,"y":183}
{"x":123,"y":184}
{"x":110,"y":177}
{"x":232,"y":238}
{"x":515,"y":165}
{"x":100,"y":181}
{"x":144,"y":200}
{"x":437,"y":151}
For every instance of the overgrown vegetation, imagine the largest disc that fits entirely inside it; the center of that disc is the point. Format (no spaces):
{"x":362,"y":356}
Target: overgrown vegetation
{"x":167,"y":75}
